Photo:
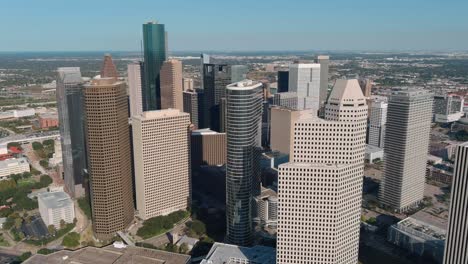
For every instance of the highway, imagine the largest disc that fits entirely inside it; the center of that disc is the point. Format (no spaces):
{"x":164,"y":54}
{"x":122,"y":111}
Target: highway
{"x":30,"y":137}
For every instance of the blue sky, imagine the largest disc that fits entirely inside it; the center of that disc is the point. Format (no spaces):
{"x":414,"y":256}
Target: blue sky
{"x":235,"y":25}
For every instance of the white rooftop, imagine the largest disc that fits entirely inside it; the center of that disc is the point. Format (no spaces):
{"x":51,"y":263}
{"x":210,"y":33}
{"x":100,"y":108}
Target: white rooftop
{"x":12,"y":162}
{"x":244,"y":85}
{"x":204,"y":131}
{"x":230,"y":254}
{"x":55,"y":199}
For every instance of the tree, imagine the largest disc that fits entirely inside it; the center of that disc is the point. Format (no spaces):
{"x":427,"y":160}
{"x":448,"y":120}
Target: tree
{"x":51,"y":229}
{"x":37,"y":146}
{"x":62,"y":224}
{"x":44,"y":164}
{"x":18,"y":222}
{"x":197,"y":226}
{"x":183,"y":248}
{"x":45,"y":251}
{"x":71,"y":240}
{"x":25,"y":256}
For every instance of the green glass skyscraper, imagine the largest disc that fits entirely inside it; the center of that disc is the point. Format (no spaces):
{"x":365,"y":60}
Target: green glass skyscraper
{"x":154,"y":46}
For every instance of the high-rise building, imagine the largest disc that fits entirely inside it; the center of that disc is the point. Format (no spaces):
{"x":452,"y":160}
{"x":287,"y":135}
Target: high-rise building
{"x":215,"y":79}
{"x":187,"y":84}
{"x":366,"y":86}
{"x":287,"y":99}
{"x":323,"y":61}
{"x":406,"y":147}
{"x":377,"y":123}
{"x":282,"y":125}
{"x":448,"y":108}
{"x":193,"y":104}
{"x":320,"y":189}
{"x":456,"y":245}
{"x":154,"y":47}
{"x":283,"y":81}
{"x":208,"y":147}
{"x":135,"y":86}
{"x":162,"y":184}
{"x":244,"y":113}
{"x":70,"y":111}
{"x":108,"y":68}
{"x":304,"y":79}
{"x":171,"y":85}
{"x":109,"y":155}
{"x":239,"y":73}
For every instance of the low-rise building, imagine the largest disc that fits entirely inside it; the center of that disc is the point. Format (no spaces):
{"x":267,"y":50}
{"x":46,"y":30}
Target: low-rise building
{"x":117,"y":253}
{"x":372,"y":153}
{"x":419,"y":237}
{"x":56,"y":206}
{"x":13,"y":166}
{"x":48,"y":120}
{"x":266,"y":208}
{"x":24,"y":112}
{"x":226,"y":254}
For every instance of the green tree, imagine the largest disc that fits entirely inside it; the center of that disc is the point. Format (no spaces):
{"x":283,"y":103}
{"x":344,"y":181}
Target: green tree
{"x":51,"y":229}
{"x":25,"y":256}
{"x":45,"y":251}
{"x":44,"y":163}
{"x":71,"y":240}
{"x":37,"y":146}
{"x":183,"y":248}
{"x":62,"y":224}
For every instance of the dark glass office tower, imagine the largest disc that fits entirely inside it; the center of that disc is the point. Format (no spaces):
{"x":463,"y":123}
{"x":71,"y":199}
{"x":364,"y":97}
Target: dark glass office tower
{"x":154,"y":46}
{"x":215,"y":79}
{"x":70,"y":112}
{"x":283,"y":81}
{"x":243,"y":129}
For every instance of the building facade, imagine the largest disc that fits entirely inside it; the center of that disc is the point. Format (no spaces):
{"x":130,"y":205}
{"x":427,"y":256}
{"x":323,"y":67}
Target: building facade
{"x":283,"y":81}
{"x":171,"y":85}
{"x":324,"y":61}
{"x":48,"y":120}
{"x":243,"y":125}
{"x":208,"y":147}
{"x":108,"y":151}
{"x":320,"y":189}
{"x":406,"y":147}
{"x":215,"y":79}
{"x":456,"y":245}
{"x":377,"y":123}
{"x":71,"y":113}
{"x":56,"y":206}
{"x":239,"y":73}
{"x":162,"y":184}
{"x":304,"y":79}
{"x":135,"y":86}
{"x":154,"y":48}
{"x":13,"y":166}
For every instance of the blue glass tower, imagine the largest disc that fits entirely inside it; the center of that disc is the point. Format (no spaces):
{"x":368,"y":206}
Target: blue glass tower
{"x":154,"y":46}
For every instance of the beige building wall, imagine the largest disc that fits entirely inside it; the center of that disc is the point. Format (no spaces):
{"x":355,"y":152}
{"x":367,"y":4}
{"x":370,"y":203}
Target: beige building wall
{"x":282,"y":123}
{"x":171,"y":85}
{"x":108,"y":152}
{"x":320,"y":190}
{"x":162,"y":162}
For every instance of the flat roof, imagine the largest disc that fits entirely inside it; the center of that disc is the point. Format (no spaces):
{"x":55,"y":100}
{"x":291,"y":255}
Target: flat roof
{"x":12,"y":162}
{"x":373,"y":149}
{"x":221,"y":253}
{"x":55,"y":199}
{"x":244,"y":85}
{"x":204,"y":131}
{"x":110,"y":254}
{"x":156,"y":114}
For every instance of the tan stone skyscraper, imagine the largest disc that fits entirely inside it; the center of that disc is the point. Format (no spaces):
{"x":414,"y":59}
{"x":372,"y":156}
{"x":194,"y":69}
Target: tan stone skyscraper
{"x":108,"y":152}
{"x":108,"y":68}
{"x":161,"y":148}
{"x":171,"y":85}
{"x":319,"y":191}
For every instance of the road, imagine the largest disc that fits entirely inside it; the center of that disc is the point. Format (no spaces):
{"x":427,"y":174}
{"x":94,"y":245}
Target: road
{"x":30,"y":137}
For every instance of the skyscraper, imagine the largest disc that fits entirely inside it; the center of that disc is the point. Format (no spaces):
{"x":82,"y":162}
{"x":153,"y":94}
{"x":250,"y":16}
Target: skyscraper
{"x":377,"y":123}
{"x":171,"y":85}
{"x":319,"y":191}
{"x":283,"y":81}
{"x":244,"y":113}
{"x":323,"y":61}
{"x":239,"y":73}
{"x":154,"y":46}
{"x":406,"y":147}
{"x":304,"y":79}
{"x":215,"y":79}
{"x":108,"y":68}
{"x":456,"y":242}
{"x":162,"y":184}
{"x":193,"y":104}
{"x":108,"y":151}
{"x":135,"y":87}
{"x":70,"y":113}
{"x":366,"y":86}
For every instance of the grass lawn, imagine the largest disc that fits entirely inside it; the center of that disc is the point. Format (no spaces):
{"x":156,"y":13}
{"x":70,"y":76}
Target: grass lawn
{"x":26,"y":182}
